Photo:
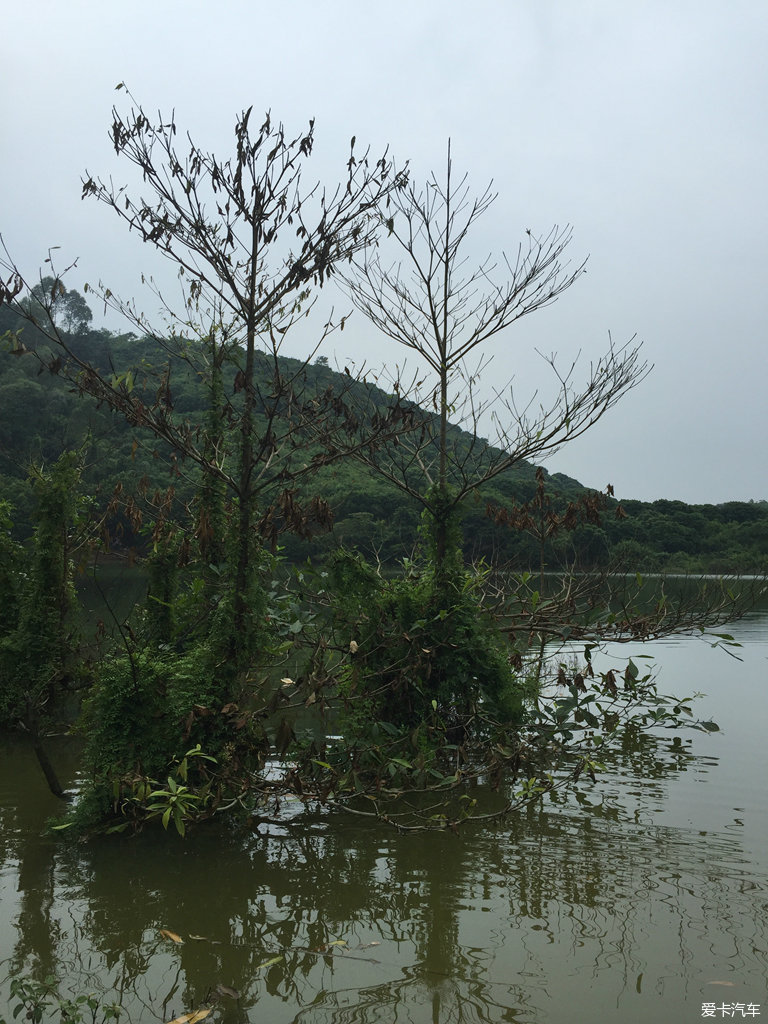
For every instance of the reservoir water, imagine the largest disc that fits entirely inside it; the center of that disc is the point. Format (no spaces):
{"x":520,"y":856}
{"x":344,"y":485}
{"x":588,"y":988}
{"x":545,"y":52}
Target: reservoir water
{"x":643,"y":897}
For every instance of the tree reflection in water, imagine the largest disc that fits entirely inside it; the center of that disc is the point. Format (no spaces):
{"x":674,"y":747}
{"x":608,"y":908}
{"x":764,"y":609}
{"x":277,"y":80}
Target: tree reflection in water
{"x":518,"y":922}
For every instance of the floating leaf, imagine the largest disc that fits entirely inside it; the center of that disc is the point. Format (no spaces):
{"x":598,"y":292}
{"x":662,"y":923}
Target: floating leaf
{"x":268,"y":963}
{"x":190,"y":1018}
{"x":171,"y":935}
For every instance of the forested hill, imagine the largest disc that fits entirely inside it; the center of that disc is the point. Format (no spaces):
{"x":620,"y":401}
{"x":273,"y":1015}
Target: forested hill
{"x":41,"y":414}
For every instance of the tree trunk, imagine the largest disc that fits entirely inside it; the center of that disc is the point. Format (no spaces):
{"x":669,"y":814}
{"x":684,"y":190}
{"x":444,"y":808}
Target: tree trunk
{"x":42,"y":757}
{"x":242,"y":629}
{"x":441,"y":524}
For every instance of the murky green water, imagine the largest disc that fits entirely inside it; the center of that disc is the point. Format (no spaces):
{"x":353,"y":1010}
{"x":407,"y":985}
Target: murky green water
{"x":636,"y":900}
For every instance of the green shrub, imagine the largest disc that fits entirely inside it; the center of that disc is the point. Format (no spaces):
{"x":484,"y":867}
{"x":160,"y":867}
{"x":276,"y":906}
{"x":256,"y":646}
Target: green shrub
{"x":145,"y":712}
{"x":424,"y":647}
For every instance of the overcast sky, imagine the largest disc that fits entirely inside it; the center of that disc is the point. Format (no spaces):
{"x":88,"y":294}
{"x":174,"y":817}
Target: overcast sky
{"x":642,"y":125}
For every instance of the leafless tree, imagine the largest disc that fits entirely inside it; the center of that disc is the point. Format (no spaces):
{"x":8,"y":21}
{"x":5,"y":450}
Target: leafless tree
{"x":430,"y":301}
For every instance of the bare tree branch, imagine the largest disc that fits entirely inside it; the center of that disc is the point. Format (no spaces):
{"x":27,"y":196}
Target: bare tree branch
{"x":430,"y":301}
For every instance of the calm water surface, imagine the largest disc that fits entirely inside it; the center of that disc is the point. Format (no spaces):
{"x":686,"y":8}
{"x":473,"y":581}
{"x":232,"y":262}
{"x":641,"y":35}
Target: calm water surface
{"x":635,"y":900}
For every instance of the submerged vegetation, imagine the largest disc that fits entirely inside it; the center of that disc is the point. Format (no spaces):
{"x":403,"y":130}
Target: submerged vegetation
{"x":382,"y":685}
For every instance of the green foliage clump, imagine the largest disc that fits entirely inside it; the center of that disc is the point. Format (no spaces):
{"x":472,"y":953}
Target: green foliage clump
{"x":39,"y":642}
{"x":143,"y":715}
{"x":10,"y":568}
{"x":424,"y":648}
{"x":11,"y":580}
{"x":173,"y":687}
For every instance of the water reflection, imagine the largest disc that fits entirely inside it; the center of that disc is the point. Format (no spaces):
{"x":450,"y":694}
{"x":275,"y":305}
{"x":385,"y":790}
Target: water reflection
{"x":587,"y":906}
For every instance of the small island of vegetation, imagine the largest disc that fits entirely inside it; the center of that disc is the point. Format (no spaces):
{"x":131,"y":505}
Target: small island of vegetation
{"x":352,"y":598}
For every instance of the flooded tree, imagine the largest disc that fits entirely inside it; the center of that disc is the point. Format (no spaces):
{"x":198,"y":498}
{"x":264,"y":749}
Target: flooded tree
{"x":456,"y":672}
{"x":251,"y":243}
{"x":445,"y":655}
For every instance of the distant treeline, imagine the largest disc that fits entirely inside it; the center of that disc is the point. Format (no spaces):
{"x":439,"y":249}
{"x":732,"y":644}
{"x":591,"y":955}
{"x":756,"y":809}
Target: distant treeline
{"x":42,"y":414}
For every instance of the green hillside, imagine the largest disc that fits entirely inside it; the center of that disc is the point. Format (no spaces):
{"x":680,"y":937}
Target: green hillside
{"x":41,"y":414}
